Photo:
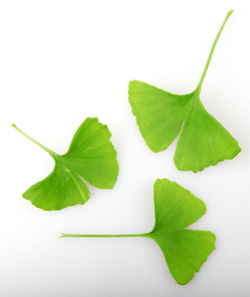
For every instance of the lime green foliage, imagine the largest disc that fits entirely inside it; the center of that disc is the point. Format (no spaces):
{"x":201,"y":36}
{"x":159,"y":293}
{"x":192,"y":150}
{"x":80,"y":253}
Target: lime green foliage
{"x":184,"y":250}
{"x":91,"y":156}
{"x":160,"y":116}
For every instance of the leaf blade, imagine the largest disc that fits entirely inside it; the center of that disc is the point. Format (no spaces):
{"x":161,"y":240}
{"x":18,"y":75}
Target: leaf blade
{"x":60,"y":189}
{"x":158,"y":131}
{"x":203,"y":141}
{"x":159,"y":114}
{"x":172,"y":206}
{"x":184,"y":250}
{"x":96,"y":162}
{"x":93,"y":157}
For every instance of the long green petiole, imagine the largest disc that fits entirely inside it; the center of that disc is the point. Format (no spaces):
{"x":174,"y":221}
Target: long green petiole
{"x":102,"y":235}
{"x":33,"y":140}
{"x":198,"y":89}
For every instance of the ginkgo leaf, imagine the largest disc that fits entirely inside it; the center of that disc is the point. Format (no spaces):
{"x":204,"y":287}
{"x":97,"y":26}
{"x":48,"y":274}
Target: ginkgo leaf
{"x":184,"y":250}
{"x":161,"y":115}
{"x":91,"y":156}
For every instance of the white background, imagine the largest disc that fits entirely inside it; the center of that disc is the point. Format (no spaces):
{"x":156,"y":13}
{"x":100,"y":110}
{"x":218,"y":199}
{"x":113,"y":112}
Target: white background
{"x":62,"y":61}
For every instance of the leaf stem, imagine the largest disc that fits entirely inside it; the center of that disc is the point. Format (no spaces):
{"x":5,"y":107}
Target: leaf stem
{"x":198,"y":89}
{"x":102,"y":235}
{"x":33,"y":140}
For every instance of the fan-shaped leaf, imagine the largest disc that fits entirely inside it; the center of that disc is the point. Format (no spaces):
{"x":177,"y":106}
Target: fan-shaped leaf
{"x":184,"y":250}
{"x":91,"y":156}
{"x":160,"y":116}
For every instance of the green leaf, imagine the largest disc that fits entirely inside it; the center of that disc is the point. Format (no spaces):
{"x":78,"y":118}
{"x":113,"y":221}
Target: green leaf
{"x":184,"y":250}
{"x":203,"y":141}
{"x":91,"y":156}
{"x":161,"y":115}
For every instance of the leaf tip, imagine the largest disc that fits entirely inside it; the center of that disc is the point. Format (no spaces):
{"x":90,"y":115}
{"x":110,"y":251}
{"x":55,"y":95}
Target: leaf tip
{"x":132,"y":83}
